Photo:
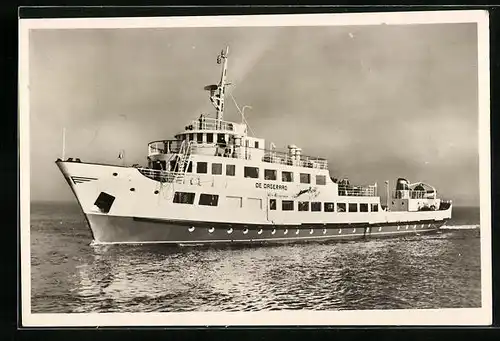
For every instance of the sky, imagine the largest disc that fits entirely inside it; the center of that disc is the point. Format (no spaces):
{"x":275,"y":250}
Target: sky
{"x":379,"y":102}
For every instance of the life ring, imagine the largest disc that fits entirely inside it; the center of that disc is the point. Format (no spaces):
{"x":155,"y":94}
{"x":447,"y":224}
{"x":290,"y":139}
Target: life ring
{"x":433,"y":208}
{"x":195,"y":181}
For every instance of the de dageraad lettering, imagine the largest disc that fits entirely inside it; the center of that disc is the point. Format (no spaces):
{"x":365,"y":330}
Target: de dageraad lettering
{"x":270,"y":186}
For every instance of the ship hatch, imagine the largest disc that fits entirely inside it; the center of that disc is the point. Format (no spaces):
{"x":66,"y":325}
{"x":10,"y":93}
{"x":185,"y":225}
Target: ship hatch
{"x":104,"y":202}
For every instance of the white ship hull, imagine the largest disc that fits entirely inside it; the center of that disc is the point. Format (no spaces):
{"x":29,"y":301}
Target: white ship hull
{"x":142,"y":211}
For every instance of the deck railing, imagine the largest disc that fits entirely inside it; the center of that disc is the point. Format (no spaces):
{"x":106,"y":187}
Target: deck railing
{"x":412,"y":194}
{"x":357,"y":191}
{"x":160,"y":175}
{"x":287,"y":159}
{"x":209,"y":123}
{"x":271,"y":156}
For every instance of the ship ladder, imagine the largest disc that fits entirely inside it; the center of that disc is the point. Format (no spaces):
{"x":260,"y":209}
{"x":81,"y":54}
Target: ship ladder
{"x":183,"y":161}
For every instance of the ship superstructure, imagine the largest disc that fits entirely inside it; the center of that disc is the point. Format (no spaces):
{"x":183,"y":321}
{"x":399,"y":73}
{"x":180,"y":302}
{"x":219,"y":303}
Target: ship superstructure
{"x":215,"y":183}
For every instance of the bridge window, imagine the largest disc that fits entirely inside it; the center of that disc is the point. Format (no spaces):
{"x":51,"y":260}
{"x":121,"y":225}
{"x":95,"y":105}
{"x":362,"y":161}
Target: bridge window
{"x":316,"y":206}
{"x":251,"y":172}
{"x":216,"y":168}
{"x":210,"y":138}
{"x":286,"y":176}
{"x":272,"y":204}
{"x":270,"y":174}
{"x":374,"y":207}
{"x":201,"y":167}
{"x":303,"y":205}
{"x":329,"y":207}
{"x":287,"y":205}
{"x":230,"y":170}
{"x":199,"y":138}
{"x":353,"y":207}
{"x":320,"y":180}
{"x":220,"y":138}
{"x":256,"y":144}
{"x":208,"y":199}
{"x":363,"y":207}
{"x":184,"y":198}
{"x":341,"y":207}
{"x":191,"y":137}
{"x":305,"y":178}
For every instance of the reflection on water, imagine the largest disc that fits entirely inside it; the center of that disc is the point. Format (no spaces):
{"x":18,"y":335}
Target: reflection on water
{"x":69,"y":275}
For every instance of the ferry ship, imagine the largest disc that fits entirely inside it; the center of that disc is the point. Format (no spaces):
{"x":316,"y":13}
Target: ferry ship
{"x":215,"y":183}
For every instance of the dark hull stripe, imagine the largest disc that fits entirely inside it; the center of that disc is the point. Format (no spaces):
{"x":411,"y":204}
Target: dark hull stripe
{"x":218,"y":225}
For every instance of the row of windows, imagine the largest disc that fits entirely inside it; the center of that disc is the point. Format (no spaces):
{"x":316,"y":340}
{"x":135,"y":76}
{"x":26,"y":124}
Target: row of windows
{"x":289,"y":205}
{"x":253,"y":172}
{"x":286,"y":205}
{"x":211,"y":137}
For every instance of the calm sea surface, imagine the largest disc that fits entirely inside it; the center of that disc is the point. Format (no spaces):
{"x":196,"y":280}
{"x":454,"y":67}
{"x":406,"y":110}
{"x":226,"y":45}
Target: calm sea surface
{"x":70,"y":275}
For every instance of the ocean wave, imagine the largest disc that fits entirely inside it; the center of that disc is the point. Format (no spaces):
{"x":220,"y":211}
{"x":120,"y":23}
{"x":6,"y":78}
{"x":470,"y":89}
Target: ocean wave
{"x":460,"y":227}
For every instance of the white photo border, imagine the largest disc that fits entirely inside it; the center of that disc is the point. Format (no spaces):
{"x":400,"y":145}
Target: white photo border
{"x":427,"y":317}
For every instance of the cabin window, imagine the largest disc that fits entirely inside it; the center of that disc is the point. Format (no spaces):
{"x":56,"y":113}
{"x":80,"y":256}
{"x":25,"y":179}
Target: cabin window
{"x":303,"y":205}
{"x":374,"y":207}
{"x":208,"y":199}
{"x":254,"y":203}
{"x":320,"y":180}
{"x":210,"y":138}
{"x":199,"y":138}
{"x":305,"y":178}
{"x":256,"y":144}
{"x":230,"y":170}
{"x":220,"y":138}
{"x":353,"y":207}
{"x":270,"y":174}
{"x":316,"y":206}
{"x":341,"y":207}
{"x":287,"y":205}
{"x":190,"y":167}
{"x":251,"y":172}
{"x":329,"y":207}
{"x":216,"y":168}
{"x":191,"y":137}
{"x":286,"y":176}
{"x":173,"y":163}
{"x":183,"y":198}
{"x":272,"y":204}
{"x":201,"y":167}
{"x":234,"y":202}
{"x":363,"y":207}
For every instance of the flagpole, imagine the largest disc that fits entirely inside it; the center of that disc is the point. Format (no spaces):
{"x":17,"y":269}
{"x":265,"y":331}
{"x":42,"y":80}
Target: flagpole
{"x":63,"y":143}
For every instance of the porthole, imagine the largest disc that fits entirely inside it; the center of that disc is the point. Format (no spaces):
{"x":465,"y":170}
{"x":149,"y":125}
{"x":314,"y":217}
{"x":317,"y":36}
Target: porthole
{"x":297,"y":232}
{"x":311,"y":232}
{"x":230,"y":230}
{"x":132,"y":189}
{"x":245,"y":231}
{"x":191,"y":229}
{"x":324,"y":231}
{"x":211,"y":230}
{"x":260,"y":231}
{"x":286,"y":231}
{"x":156,"y":192}
{"x":273,"y":231}
{"x":115,"y":174}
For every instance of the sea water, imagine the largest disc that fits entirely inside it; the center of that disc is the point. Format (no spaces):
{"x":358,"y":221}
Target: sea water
{"x":69,"y":274}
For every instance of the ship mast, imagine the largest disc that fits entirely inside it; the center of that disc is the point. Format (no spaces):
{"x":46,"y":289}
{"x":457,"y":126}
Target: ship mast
{"x":218,"y":98}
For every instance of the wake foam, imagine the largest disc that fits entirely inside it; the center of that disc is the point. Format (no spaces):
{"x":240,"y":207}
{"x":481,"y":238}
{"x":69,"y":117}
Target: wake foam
{"x":460,"y":227}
